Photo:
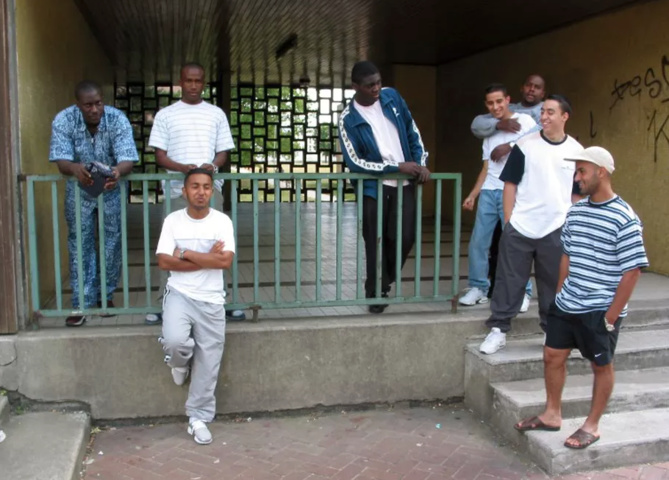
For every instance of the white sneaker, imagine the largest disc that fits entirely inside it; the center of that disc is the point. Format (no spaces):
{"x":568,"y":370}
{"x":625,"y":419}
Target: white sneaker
{"x":200,"y":432}
{"x":180,"y":374}
{"x":473,"y":296}
{"x":495,"y":341}
{"x":526,"y":304}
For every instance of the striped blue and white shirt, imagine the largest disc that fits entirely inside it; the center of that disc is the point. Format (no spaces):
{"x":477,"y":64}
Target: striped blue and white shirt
{"x":603,"y":241}
{"x":191,"y":134}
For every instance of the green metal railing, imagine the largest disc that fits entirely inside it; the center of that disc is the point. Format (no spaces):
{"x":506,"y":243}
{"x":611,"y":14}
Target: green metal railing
{"x":53,"y":308}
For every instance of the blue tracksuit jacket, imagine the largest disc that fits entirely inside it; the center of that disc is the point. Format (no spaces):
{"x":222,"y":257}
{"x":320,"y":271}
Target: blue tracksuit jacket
{"x":358,"y":144}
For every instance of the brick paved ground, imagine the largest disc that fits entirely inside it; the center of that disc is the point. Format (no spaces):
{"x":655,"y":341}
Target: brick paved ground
{"x":425,"y":443}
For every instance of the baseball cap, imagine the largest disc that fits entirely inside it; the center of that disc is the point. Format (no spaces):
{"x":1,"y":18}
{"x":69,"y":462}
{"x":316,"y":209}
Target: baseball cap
{"x":597,"y":155}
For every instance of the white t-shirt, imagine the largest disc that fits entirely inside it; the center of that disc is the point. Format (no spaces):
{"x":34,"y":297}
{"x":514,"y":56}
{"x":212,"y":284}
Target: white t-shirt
{"x":492,"y":181}
{"x":191,"y":134}
{"x":182,"y":231}
{"x":545,"y":183}
{"x":385,"y":133}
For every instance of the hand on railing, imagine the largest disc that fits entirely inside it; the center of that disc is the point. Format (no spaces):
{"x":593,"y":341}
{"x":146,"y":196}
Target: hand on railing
{"x":421,"y":174}
{"x":83,"y":175}
{"x":208,"y":166}
{"x":111,"y":182}
{"x":185,"y":168}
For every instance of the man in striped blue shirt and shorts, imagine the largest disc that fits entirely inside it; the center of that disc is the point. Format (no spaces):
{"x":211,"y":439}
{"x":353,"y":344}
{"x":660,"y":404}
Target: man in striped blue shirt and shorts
{"x":603,"y":254}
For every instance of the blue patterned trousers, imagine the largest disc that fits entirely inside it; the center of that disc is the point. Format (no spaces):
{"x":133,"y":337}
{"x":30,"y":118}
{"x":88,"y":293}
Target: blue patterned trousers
{"x":89,"y":245}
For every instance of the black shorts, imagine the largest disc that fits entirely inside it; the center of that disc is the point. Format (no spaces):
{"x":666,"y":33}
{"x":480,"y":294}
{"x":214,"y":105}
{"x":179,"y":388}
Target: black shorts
{"x":585,"y":331}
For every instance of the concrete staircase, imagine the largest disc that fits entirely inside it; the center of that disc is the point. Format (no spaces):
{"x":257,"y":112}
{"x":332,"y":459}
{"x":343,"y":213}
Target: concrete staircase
{"x":508,"y":386}
{"x":42,"y":445}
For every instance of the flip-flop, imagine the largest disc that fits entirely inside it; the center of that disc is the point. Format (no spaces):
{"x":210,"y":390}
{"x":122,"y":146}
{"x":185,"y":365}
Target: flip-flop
{"x":584,"y":439}
{"x":535,"y":423}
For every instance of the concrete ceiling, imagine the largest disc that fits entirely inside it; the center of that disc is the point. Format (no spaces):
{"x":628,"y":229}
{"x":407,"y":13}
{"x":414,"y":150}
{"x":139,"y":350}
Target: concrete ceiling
{"x":147,"y":40}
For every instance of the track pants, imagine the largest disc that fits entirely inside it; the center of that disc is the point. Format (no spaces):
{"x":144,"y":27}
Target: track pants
{"x":194,"y":334}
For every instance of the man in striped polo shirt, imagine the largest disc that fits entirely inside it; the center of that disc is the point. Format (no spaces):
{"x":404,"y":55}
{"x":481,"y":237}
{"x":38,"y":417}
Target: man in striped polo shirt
{"x":603,"y":255}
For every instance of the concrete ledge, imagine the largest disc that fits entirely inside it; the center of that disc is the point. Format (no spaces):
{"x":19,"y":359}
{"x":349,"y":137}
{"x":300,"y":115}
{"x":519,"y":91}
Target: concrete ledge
{"x":275,"y":365}
{"x":268,"y":366}
{"x":4,"y":410}
{"x":45,"y":445}
{"x":9,"y":377}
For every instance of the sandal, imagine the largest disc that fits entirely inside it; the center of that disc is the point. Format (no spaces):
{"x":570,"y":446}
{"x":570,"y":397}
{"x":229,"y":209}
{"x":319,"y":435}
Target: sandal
{"x":535,"y":423}
{"x":584,"y":439}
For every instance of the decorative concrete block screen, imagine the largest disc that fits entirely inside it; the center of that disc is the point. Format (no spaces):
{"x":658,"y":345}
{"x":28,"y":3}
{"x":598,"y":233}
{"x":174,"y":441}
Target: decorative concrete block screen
{"x":277,"y":129}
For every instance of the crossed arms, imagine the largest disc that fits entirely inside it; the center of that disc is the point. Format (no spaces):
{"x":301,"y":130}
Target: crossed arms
{"x":216,"y":258}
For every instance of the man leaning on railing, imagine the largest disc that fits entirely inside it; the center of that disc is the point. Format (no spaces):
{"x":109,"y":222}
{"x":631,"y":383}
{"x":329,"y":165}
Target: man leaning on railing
{"x":88,"y":132}
{"x":378,"y":135}
{"x":188,"y":134}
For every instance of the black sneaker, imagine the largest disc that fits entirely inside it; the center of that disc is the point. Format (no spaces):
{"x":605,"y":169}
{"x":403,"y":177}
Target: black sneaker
{"x":75,"y":320}
{"x":110,"y":304}
{"x":378,"y":308}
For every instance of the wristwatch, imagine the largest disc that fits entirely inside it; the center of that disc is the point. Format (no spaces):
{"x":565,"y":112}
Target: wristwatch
{"x":182,"y":252}
{"x":215,"y":168}
{"x":512,"y":144}
{"x":609,"y":326}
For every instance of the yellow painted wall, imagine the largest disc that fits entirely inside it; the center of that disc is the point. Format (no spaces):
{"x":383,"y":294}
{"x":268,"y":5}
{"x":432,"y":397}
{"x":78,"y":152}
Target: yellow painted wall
{"x":615,"y":70}
{"x":418,"y":86}
{"x":55,"y":50}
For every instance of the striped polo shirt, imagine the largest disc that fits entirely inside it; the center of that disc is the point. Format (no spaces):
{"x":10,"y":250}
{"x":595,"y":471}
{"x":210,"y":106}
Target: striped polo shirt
{"x":191,"y":134}
{"x":603,"y":241}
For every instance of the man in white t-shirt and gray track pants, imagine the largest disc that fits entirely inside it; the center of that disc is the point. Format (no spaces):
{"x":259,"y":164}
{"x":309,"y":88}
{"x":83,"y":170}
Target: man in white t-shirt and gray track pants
{"x":188,"y":134}
{"x":539,"y":188}
{"x":196,"y":243}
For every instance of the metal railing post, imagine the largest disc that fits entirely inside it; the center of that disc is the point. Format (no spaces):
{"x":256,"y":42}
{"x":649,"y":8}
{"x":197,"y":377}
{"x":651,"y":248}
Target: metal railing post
{"x":32,"y":239}
{"x":56,"y":245}
{"x":437,"y":238}
{"x":102,"y":246}
{"x":319,"y":193}
{"x":147,"y":247}
{"x":81,"y":297}
{"x":338,"y":255}
{"x":419,"y":238}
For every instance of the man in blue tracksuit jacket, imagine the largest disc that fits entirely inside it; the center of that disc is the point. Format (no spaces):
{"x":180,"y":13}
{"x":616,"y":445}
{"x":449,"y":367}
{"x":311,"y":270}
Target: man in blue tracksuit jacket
{"x":378,"y":136}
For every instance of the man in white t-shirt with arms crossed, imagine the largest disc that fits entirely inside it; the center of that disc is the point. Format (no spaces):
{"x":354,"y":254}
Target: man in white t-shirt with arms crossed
{"x":188,"y":134}
{"x":488,"y":188}
{"x":195,"y":244}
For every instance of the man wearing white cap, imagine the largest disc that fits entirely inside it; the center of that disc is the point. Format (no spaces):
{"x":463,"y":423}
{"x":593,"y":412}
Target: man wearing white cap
{"x":603,"y":255}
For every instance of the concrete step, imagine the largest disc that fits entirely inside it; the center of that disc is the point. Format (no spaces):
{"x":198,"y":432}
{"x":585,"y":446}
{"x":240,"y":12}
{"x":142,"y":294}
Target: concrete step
{"x":626,"y":438}
{"x":4,"y":410}
{"x":634,"y":390}
{"x":523,"y":360}
{"x":44,"y":445}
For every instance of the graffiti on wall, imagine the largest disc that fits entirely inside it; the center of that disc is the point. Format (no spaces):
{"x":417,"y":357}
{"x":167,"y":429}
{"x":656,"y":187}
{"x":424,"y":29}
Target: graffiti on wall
{"x":658,"y":127}
{"x":650,"y":83}
{"x":653,"y":83}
